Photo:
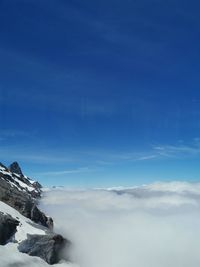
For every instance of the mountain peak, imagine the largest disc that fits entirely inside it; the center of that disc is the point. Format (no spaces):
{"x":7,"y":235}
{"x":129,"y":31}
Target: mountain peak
{"x":14,"y":167}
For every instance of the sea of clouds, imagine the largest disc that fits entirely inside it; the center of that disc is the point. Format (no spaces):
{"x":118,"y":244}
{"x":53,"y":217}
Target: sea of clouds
{"x":155,"y":225}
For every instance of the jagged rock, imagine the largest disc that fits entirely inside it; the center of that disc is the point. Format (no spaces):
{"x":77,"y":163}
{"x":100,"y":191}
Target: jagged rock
{"x":8,"y":226}
{"x":50,"y":223}
{"x":37,"y":185}
{"x":14,"y":167}
{"x":47,"y":247}
{"x":39,"y":217}
{"x":23,"y":183}
{"x":20,"y":193}
{"x":3,"y":166}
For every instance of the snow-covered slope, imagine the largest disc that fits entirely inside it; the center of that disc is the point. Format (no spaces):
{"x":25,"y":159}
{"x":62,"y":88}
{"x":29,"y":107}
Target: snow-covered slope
{"x":22,"y":193}
{"x":20,"y":181}
{"x":25,"y":227}
{"x":9,"y":254}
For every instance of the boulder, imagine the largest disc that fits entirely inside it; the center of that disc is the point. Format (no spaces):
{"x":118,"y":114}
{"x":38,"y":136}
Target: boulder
{"x":47,"y":247}
{"x":8,"y":227}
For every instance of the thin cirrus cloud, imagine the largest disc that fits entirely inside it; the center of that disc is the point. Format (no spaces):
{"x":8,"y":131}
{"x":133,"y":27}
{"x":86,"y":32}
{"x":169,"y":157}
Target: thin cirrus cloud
{"x":27,"y":155}
{"x":12,"y":133}
{"x":155,"y":152}
{"x":102,"y":157}
{"x":180,"y":150}
{"x":63,"y":172}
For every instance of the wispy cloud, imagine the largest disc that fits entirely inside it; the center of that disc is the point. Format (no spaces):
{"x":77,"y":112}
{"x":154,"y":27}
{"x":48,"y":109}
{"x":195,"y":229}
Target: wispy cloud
{"x":65,"y":172}
{"x":147,"y":157}
{"x":179,"y":150}
{"x":98,"y":159}
{"x":40,"y":157}
{"x":105,"y":157}
{"x":12,"y":133}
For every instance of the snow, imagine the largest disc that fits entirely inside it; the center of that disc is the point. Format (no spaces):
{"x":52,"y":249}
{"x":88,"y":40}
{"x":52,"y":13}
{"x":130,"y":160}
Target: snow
{"x":5,"y":172}
{"x":26,"y":225}
{"x":15,"y":181}
{"x":16,"y":174}
{"x":30,"y":180}
{"x":2,"y":168}
{"x":11,"y":257}
{"x":23,"y":185}
{"x":9,"y":254}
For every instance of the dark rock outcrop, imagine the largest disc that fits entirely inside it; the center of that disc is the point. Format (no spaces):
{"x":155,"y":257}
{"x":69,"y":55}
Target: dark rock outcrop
{"x":21,"y":193}
{"x":2,"y":166}
{"x":37,"y":185}
{"x":8,"y":226}
{"x":47,"y":247}
{"x":15,"y":168}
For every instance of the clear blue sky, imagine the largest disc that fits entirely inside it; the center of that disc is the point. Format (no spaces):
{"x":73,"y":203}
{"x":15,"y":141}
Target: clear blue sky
{"x":101,"y":93}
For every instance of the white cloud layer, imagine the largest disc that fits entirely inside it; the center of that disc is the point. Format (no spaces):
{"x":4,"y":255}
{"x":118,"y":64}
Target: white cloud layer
{"x":156,"y":225}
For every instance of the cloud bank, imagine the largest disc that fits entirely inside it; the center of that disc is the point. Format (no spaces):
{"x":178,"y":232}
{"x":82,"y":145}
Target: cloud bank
{"x":156,"y":225}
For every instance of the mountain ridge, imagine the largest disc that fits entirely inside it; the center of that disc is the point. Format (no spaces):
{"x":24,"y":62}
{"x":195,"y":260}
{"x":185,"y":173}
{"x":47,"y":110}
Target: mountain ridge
{"x":19,"y":212}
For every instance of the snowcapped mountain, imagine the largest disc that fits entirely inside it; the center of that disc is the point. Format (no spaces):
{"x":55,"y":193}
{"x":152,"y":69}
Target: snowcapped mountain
{"x":22,"y":193}
{"x":23,"y":227}
{"x":14,"y":176}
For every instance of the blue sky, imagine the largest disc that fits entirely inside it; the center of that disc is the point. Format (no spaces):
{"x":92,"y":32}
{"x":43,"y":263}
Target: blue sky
{"x":100,"y":93}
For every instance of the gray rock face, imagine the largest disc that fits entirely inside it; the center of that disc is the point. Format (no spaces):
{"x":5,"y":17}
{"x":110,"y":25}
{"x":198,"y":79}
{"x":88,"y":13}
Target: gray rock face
{"x":37,"y":185}
{"x":22,"y":194}
{"x":8,"y":226}
{"x":14,"y":167}
{"x":18,"y":192}
{"x":47,"y":247}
